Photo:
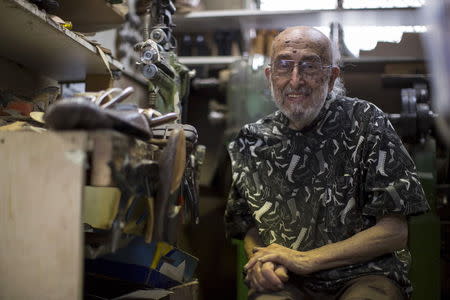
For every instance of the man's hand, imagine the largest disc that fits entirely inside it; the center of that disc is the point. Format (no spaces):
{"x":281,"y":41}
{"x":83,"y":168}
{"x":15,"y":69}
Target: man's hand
{"x":390,"y":233}
{"x":262,"y":276}
{"x":266,"y":276}
{"x":295,"y":261}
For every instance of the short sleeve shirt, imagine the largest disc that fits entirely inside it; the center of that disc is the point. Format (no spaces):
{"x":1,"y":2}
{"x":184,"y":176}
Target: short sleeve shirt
{"x":323,"y":184}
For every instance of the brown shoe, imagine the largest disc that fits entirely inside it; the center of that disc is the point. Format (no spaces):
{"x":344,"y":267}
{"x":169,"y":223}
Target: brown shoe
{"x":172,"y":164}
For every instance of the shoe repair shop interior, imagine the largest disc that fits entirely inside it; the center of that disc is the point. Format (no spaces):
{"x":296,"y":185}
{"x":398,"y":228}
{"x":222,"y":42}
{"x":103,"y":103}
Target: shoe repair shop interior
{"x":114,"y":121}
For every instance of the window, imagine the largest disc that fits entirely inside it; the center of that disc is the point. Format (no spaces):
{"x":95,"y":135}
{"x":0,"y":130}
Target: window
{"x":297,"y":5}
{"x":382,"y":3}
{"x":366,"y":37}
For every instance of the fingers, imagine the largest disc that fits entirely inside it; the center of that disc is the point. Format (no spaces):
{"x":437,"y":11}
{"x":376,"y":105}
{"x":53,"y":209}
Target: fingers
{"x":272,"y":280}
{"x":262,"y":277}
{"x":256,"y":249}
{"x":273,"y":257}
{"x":259,"y":252}
{"x":255,"y":277}
{"x":252,"y":261}
{"x":282,"y":273}
{"x":250,"y":264}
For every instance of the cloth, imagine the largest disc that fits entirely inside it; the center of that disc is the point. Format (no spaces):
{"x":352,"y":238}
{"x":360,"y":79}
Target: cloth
{"x":323,"y":184}
{"x":371,"y":287}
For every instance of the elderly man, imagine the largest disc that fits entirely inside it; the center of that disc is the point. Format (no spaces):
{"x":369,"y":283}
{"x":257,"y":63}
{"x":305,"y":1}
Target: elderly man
{"x":321,"y":188}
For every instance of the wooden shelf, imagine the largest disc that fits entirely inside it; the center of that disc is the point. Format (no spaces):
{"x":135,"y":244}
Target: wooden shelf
{"x":29,"y":38}
{"x":205,"y":21}
{"x":90,"y":15}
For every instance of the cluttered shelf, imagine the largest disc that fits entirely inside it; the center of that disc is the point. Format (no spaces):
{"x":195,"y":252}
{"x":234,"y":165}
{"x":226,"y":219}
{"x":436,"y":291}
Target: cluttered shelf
{"x":31,"y":38}
{"x":245,"y":19}
{"x":92,"y":15}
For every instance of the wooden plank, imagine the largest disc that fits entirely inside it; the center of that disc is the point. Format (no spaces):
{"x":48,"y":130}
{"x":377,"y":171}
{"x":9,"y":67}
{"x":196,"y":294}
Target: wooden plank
{"x":187,"y":291}
{"x":41,"y":180}
{"x":102,"y":155}
{"x":108,"y":147}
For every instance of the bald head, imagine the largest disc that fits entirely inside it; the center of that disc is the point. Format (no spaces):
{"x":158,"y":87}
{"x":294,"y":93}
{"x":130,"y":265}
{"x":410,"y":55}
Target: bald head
{"x":303,"y":37}
{"x":298,"y":92}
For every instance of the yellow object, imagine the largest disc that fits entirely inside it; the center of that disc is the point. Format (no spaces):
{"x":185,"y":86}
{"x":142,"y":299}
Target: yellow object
{"x":37,"y":116}
{"x":135,"y":222}
{"x":21,"y":126}
{"x":162,"y":249}
{"x":67,"y":25}
{"x":100,"y":206}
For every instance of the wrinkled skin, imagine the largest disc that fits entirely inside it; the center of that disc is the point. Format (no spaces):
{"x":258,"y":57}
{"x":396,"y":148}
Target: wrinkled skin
{"x":300,"y":97}
{"x":266,"y":276}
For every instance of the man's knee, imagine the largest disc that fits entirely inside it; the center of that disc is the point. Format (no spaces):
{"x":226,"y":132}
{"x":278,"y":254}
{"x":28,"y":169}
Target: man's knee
{"x":372,"y":287}
{"x":289,"y":292}
{"x":255,"y":295}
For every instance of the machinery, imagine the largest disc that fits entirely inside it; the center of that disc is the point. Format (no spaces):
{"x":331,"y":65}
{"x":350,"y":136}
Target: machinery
{"x":168,"y":79}
{"x":416,"y":126}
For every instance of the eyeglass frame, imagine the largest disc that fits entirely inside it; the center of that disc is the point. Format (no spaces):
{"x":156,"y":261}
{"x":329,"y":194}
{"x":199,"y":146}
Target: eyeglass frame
{"x":299,"y":64}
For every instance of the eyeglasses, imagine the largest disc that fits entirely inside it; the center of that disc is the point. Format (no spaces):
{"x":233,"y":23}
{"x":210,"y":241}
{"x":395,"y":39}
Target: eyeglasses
{"x":284,"y":67}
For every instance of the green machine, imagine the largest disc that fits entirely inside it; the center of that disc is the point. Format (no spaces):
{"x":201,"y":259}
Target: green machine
{"x":424,"y":230}
{"x":415,"y":125}
{"x":169,"y":80}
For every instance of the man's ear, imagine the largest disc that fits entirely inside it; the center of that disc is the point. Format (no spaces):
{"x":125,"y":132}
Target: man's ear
{"x":267,"y":73}
{"x":335,"y":71}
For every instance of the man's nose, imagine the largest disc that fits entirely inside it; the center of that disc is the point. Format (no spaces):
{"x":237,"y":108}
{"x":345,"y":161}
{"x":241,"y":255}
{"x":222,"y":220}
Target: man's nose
{"x":297,"y":78}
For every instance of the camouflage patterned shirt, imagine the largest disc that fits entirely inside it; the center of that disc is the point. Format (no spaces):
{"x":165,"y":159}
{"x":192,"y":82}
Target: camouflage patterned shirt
{"x":323,"y":184}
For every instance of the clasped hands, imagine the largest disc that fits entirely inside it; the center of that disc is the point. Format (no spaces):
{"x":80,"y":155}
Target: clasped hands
{"x":267,"y":269}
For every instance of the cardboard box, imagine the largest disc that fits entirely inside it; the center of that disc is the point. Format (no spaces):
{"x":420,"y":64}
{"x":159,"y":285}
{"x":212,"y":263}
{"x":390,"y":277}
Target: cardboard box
{"x":157,"y":265}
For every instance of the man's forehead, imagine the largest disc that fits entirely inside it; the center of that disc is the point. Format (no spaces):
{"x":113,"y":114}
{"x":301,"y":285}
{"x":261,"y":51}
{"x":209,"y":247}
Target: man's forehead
{"x":306,"y":54}
{"x":295,"y":40}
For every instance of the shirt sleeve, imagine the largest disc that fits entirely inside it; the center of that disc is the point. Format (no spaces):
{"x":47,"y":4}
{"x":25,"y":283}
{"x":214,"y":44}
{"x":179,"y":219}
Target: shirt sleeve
{"x":391,"y":184}
{"x":238,"y":219}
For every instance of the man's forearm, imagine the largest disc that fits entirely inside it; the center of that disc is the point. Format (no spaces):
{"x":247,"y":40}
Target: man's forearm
{"x":389,"y":234}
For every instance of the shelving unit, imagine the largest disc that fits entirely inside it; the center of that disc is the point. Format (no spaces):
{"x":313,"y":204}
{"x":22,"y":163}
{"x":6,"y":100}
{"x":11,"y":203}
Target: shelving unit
{"x":42,"y":175}
{"x":90,"y":15}
{"x":207,"y":21}
{"x":30,"y":38}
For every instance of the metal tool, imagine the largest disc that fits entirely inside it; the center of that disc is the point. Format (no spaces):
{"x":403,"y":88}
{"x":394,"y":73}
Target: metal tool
{"x":168,"y":79}
{"x":416,"y":120}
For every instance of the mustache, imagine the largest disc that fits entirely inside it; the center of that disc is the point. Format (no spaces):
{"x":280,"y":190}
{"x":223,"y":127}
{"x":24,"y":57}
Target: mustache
{"x":302,"y":91}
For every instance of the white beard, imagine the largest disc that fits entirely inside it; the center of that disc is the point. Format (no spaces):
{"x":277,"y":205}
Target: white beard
{"x":297,"y":113}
